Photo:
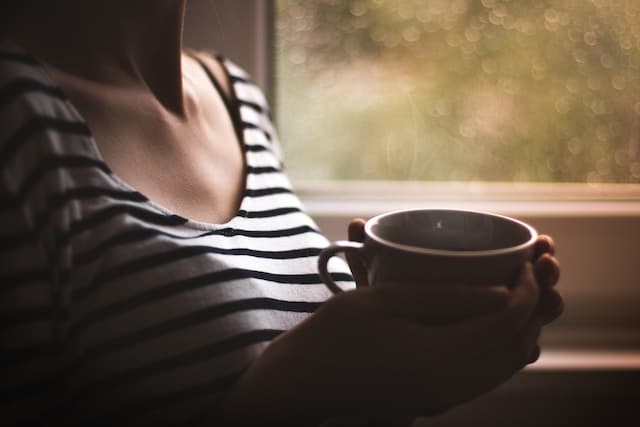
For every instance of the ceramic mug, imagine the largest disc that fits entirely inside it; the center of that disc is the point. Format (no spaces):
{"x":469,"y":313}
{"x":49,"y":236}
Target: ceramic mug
{"x":443,"y":246}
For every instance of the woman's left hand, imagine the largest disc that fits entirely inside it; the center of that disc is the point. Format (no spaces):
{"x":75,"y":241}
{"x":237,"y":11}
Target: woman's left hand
{"x":545,"y":264}
{"x":547,"y":272}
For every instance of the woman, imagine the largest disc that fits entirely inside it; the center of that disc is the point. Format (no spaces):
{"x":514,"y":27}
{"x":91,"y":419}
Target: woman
{"x":156,"y":267}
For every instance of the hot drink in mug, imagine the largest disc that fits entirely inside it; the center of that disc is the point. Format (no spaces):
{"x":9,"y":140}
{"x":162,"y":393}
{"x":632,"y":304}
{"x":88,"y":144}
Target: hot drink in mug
{"x":443,"y":246}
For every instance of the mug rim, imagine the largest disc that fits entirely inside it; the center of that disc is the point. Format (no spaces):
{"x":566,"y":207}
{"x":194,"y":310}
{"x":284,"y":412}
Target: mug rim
{"x":533,"y":235}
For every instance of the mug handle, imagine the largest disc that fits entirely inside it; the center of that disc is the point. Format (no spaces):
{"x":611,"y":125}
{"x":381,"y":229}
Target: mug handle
{"x":330,"y":251}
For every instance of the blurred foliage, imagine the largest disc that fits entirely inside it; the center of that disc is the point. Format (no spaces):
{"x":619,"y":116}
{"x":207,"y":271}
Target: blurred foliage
{"x":491,"y":90}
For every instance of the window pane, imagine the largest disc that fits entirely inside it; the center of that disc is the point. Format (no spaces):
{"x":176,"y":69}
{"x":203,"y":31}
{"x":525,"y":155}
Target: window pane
{"x":491,"y":90}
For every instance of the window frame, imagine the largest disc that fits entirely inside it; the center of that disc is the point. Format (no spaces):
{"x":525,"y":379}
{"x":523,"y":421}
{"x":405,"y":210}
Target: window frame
{"x":596,"y":226}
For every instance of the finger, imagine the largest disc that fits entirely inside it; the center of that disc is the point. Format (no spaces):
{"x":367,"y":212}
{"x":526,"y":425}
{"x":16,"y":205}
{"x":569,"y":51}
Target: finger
{"x":550,"y":306}
{"x":485,"y":368}
{"x":522,"y":349}
{"x":438,"y":304}
{"x":356,"y":230}
{"x":535,"y":355}
{"x":358,"y":270}
{"x":544,"y":244}
{"x":495,"y":328}
{"x":547,"y":270}
{"x":529,"y":348}
{"x":523,"y":300}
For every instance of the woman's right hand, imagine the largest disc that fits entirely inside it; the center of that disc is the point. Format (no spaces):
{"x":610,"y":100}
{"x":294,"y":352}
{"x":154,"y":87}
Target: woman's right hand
{"x":392,"y":350}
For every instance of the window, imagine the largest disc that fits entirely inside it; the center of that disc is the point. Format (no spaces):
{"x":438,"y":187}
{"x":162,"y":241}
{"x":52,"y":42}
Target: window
{"x":595,"y":218}
{"x":593,"y":352}
{"x":536,"y":91}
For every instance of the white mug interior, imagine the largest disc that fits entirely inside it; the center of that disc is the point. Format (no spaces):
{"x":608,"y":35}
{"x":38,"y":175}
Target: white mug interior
{"x":450,"y":231}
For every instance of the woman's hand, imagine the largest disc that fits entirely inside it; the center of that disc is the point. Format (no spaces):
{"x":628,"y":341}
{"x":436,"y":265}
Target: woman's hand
{"x":395,"y":350}
{"x":392,"y":350}
{"x":546,"y":269}
{"x":547,"y":272}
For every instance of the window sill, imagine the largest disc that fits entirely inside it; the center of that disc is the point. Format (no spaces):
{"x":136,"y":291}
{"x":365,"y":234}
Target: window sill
{"x":591,"y":360}
{"x":596,"y":229}
{"x":519,"y":199}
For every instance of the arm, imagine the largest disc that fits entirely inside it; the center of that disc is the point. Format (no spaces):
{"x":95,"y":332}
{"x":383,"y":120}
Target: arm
{"x":392,"y":351}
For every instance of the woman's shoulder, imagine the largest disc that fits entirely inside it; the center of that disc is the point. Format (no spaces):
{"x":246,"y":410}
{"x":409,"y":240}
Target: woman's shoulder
{"x":27,"y":91}
{"x":34,"y":114}
{"x":244,"y":96}
{"x":214,"y":64}
{"x":22,"y":78}
{"x":219,"y":60}
{"x":235,"y":80}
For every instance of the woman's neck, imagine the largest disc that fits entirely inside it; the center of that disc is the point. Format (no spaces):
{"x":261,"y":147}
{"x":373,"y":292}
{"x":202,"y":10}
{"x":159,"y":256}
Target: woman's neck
{"x":124,"y":43}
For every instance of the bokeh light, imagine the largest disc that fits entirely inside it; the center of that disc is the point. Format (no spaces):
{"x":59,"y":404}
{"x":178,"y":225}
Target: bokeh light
{"x":439,"y":90}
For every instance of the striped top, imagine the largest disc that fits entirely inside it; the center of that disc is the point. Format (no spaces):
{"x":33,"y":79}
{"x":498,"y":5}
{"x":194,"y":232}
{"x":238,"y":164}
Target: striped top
{"x":114,"y":310}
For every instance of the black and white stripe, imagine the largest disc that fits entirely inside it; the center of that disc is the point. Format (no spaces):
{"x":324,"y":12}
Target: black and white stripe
{"x":112,"y":304}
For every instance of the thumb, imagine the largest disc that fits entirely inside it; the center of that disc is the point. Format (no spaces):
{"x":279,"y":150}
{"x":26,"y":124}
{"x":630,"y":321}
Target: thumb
{"x":521,"y":301}
{"x":356,"y":233}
